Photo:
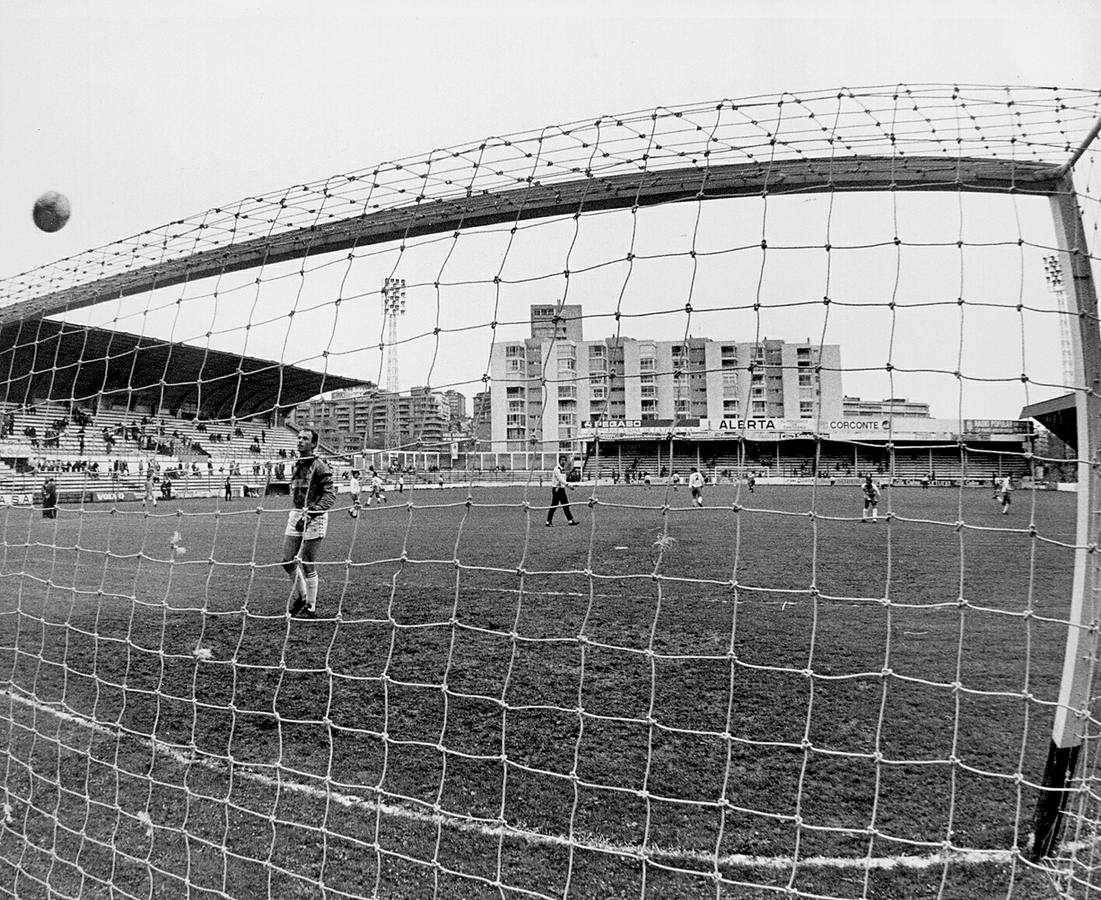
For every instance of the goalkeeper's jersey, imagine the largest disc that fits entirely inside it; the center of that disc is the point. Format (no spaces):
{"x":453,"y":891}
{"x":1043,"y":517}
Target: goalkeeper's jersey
{"x":312,"y":484}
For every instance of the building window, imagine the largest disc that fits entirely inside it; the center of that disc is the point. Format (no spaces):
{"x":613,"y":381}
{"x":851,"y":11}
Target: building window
{"x":806,"y":409}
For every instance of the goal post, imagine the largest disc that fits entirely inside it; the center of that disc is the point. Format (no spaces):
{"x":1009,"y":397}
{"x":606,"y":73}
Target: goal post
{"x":1073,"y":714}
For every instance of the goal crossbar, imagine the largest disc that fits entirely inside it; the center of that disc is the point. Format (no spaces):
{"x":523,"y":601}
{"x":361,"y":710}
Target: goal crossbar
{"x":427,"y":215}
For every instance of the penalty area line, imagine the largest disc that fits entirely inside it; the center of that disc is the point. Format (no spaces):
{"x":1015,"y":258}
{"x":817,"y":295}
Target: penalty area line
{"x":582,"y":840}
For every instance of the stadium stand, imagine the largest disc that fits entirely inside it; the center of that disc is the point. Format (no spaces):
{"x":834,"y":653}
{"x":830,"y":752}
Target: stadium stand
{"x":97,"y":419}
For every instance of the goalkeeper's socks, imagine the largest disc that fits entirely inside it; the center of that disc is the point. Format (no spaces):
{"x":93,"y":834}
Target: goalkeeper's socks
{"x":311,"y":592}
{"x":300,"y":584}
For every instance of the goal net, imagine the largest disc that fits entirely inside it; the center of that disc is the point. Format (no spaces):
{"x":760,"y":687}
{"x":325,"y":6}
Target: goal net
{"x":815,"y":378}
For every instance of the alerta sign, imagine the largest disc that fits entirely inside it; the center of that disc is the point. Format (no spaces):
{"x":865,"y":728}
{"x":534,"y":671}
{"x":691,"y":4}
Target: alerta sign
{"x":747,"y":425}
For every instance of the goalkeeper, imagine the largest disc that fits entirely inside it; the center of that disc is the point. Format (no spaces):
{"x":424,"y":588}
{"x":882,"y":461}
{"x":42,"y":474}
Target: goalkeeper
{"x":312,"y":493}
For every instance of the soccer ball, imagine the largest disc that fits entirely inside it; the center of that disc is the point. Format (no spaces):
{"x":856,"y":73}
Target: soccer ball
{"x":51,"y":211}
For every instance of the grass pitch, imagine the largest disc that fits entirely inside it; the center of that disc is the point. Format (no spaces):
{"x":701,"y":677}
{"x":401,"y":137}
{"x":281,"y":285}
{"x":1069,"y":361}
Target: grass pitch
{"x":747,"y":699}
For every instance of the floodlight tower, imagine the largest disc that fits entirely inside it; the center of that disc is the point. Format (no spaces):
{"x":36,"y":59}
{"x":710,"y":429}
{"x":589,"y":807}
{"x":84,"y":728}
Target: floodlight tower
{"x":1054,"y":274}
{"x":393,"y":305}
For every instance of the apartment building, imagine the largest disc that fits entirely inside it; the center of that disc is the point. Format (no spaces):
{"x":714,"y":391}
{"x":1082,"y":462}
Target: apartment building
{"x":546,"y":389}
{"x":349,"y":421}
{"x":854,"y":407}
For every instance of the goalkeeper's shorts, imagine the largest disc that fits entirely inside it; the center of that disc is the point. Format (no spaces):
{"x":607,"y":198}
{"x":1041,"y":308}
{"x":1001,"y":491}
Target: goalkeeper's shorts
{"x":316,"y":527}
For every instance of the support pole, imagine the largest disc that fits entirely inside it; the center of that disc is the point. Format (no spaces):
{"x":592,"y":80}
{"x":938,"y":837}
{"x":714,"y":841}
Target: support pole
{"x":1072,"y":712}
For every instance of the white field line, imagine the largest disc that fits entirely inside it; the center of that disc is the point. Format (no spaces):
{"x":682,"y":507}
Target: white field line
{"x":581,"y":840}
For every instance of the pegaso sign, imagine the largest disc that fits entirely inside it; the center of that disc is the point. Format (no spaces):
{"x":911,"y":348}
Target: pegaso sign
{"x":614,"y":423}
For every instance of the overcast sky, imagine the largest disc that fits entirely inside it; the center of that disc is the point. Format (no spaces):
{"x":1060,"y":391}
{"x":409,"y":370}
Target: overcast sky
{"x":143,"y":113}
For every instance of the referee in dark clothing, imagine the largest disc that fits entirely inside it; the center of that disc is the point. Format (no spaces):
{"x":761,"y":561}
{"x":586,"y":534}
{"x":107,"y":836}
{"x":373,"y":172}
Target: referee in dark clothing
{"x":49,"y":499}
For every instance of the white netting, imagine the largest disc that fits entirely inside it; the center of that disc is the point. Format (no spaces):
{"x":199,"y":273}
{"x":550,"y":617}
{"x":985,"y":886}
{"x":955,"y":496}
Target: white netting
{"x":761,"y":697}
